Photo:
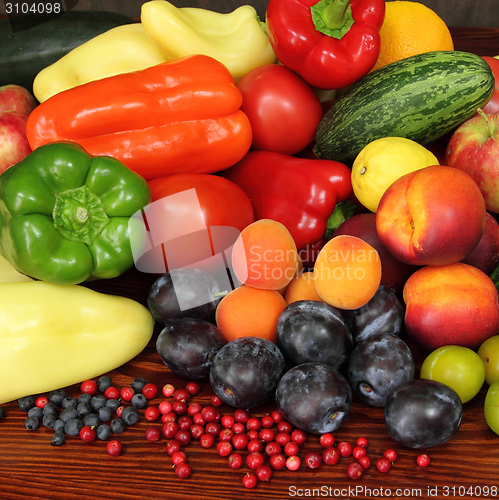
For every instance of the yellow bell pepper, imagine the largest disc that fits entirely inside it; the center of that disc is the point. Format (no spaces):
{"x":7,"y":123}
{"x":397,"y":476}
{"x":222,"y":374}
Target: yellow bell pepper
{"x":119,"y":50}
{"x":236,"y":39}
{"x":53,"y":336}
{"x":8,"y":274}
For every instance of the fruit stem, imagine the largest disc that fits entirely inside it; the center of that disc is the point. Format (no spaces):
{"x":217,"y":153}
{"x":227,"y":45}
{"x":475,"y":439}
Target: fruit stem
{"x":490,"y":126}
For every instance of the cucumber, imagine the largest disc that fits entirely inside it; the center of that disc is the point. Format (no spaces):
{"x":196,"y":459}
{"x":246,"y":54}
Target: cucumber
{"x":31,"y":42}
{"x":422,"y":98}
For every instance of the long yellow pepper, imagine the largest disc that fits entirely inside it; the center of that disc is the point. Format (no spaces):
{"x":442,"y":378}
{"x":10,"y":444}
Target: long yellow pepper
{"x":119,"y":50}
{"x":236,"y":39}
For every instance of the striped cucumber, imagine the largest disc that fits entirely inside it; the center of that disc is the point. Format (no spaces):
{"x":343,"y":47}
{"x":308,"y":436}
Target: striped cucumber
{"x":421,"y":97}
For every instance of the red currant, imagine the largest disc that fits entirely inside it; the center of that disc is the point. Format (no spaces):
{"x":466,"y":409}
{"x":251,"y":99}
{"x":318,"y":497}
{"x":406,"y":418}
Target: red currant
{"x":361,"y":441}
{"x":278,"y":461}
{"x":184,"y":422}
{"x":213,"y":428}
{"x":209,"y":413}
{"x":355,"y":470}
{"x":87,"y":434}
{"x":179,"y":457}
{"x":112,"y":393}
{"x":183,"y":437}
{"x":194,"y":408}
{"x":345,"y":448}
{"x":168,"y":417}
{"x":291,"y":449}
{"x":127,"y":393}
{"x":423,"y":460}
{"x":284,"y":426}
{"x":313,"y":459}
{"x":330,"y":455}
{"x":179,"y":407}
{"x":283,"y":438}
{"x":255,"y":445}
{"x":267,"y":421}
{"x":272,"y":448}
{"x":206,"y":440}
{"x":240,"y":441}
{"x":216,"y":400}
{"x":169,"y":429}
{"x":238,"y":427}
{"x":253,"y":423}
{"x":114,"y":448}
{"x":298,"y":436}
{"x":196,"y":431}
{"x":365,"y":461}
{"x":241,"y":416}
{"x":293,"y":462}
{"x":263,"y":472}
{"x":181,"y":395}
{"x":172,"y":446}
{"x":227,"y":421}
{"x":183,"y":470}
{"x":150,"y":390}
{"x":383,"y":464}
{"x":119,"y":410}
{"x":192,"y":388}
{"x":151,"y":413}
{"x":254,"y":459}
{"x":41,"y":401}
{"x":277,"y":416}
{"x":197,"y":418}
{"x":152,"y":433}
{"x":224,"y":448}
{"x":89,"y":387}
{"x":165,"y":407}
{"x":235,"y":461}
{"x":249,"y":480}
{"x":266,"y":435}
{"x":390,"y":454}
{"x":168,"y":390}
{"x":358,"y":451}
{"x":326,"y":440}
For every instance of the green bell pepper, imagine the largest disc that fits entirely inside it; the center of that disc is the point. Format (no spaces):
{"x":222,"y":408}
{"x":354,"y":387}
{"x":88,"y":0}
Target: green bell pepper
{"x":66,"y":216}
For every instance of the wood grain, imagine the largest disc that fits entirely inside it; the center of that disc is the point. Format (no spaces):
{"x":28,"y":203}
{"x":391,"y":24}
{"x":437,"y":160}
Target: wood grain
{"x":31,"y":468}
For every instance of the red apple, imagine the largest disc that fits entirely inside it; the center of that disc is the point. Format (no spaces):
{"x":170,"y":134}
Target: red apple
{"x":433,"y":216}
{"x":14,"y":145}
{"x":493,"y":105}
{"x":485,"y":256}
{"x":16,"y":98}
{"x":474,"y":148}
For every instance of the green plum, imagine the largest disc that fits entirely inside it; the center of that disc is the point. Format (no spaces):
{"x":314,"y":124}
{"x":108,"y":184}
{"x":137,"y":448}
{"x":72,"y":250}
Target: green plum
{"x":459,"y":367}
{"x":491,"y":407}
{"x":489,"y":352}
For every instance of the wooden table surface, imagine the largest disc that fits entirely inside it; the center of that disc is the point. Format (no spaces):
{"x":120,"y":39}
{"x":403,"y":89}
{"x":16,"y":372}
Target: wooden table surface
{"x":465,"y":467}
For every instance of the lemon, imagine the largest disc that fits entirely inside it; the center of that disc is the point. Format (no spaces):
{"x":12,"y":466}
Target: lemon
{"x":382,"y":162}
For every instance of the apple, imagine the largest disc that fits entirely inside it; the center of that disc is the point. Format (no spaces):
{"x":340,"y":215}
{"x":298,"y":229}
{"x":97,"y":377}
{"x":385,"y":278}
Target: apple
{"x":14,"y":145}
{"x":485,"y":255}
{"x":433,"y":216}
{"x":456,"y":304}
{"x":16,"y":98}
{"x":363,"y":225}
{"x":493,"y":105}
{"x":474,"y":149}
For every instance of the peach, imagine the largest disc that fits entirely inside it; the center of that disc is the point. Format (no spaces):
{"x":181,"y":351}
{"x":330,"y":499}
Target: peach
{"x":347,"y":272}
{"x":433,"y":216}
{"x":265,"y":255}
{"x":456,"y":304}
{"x":249,"y":312}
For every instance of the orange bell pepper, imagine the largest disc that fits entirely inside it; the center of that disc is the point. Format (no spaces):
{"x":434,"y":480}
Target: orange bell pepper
{"x":176,"y":117}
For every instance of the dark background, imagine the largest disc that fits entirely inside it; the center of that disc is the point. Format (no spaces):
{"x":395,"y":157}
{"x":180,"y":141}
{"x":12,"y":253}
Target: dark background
{"x":483,"y":13}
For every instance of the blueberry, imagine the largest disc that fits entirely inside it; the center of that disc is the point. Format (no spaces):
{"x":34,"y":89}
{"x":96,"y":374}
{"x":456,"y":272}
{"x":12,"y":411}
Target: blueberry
{"x":68,"y":414}
{"x":117,"y":426}
{"x":98,"y":402}
{"x":58,"y":438}
{"x":26,"y":403}
{"x":50,"y":409}
{"x":69,"y":402}
{"x":138,"y":383}
{"x":83,"y":409}
{"x":139,"y":401}
{"x":104,"y":383}
{"x":49,"y":421}
{"x":105,"y":414}
{"x":91,"y":419}
{"x":57,"y":396}
{"x":103,"y":432}
{"x":113,"y":404}
{"x":59,"y":425}
{"x":36,"y":412}
{"x":2,"y":413}
{"x":130,"y":415}
{"x":84,"y":398}
{"x":73,"y":427}
{"x":31,"y":423}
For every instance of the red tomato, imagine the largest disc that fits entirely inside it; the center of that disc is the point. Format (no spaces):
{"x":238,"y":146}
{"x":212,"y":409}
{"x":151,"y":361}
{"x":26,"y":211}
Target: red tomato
{"x":283,"y":109}
{"x":493,"y":105}
{"x":192,"y":232}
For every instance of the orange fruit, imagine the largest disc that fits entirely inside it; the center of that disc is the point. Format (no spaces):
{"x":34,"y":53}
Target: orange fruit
{"x":411,"y":28}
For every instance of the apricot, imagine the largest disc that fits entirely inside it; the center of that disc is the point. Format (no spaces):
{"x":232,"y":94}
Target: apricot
{"x":265,"y":255}
{"x":249,"y":312}
{"x":302,"y":287}
{"x":347,"y":272}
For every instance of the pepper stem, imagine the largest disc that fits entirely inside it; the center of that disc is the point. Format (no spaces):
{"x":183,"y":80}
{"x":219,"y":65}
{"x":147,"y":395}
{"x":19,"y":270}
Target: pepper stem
{"x":334,"y":15}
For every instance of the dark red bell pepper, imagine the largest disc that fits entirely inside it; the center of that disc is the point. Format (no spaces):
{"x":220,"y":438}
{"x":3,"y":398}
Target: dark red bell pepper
{"x":301,"y":193}
{"x":330,"y":43}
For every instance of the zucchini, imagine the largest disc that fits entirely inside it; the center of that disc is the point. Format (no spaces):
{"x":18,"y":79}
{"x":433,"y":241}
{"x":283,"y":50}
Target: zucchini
{"x":422,"y":98}
{"x":32,"y":42}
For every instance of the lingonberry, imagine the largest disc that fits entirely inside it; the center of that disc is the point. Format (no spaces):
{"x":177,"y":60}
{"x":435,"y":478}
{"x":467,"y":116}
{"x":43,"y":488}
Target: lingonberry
{"x":241,"y":415}
{"x":273,"y":448}
{"x":298,"y":436}
{"x":255,"y":445}
{"x":89,"y":387}
{"x":345,"y":448}
{"x":193,"y":408}
{"x":179,"y":457}
{"x":168,"y":417}
{"x":358,"y":451}
{"x":172,"y":446}
{"x":291,"y":449}
{"x":238,"y":427}
{"x":150,"y":390}
{"x":277,"y":416}
{"x":266,"y":435}
{"x":313,"y":459}
{"x":168,"y":390}
{"x":390,"y":454}
{"x":197,"y":418}
{"x":213,"y":428}
{"x":227,"y":421}
{"x":240,"y":441}
{"x":169,"y":429}
{"x":326,"y":440}
{"x":209,"y":413}
{"x":253,"y":423}
{"x":183,"y":470}
{"x":179,"y":407}
{"x":165,"y":407}
{"x":267,"y":421}
{"x":263,"y":472}
{"x":423,"y":460}
{"x":254,"y":459}
{"x":226,"y":434}
{"x":365,"y":461}
{"x":181,"y":395}
{"x":206,"y":440}
{"x":330,"y":455}
{"x":127,"y":393}
{"x":278,"y":461}
{"x":152,"y":433}
{"x":283,"y":438}
{"x":119,"y":410}
{"x":355,"y":470}
{"x":284,"y":426}
{"x":252,"y":434}
{"x":383,"y":464}
{"x":41,"y":401}
{"x":112,"y":393}
{"x":361,"y":441}
{"x":196,"y":431}
{"x":235,"y":461}
{"x":184,"y":422}
{"x":216,"y":400}
{"x":249,"y":480}
{"x":114,"y":448}
{"x":87,"y":434}
{"x":224,"y":448}
{"x":151,"y":413}
{"x":293,"y":462}
{"x":184,"y":437}
{"x":192,"y":388}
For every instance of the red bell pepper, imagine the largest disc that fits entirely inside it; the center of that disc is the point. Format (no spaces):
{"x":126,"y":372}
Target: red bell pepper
{"x":330,"y":43}
{"x":301,"y":193}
